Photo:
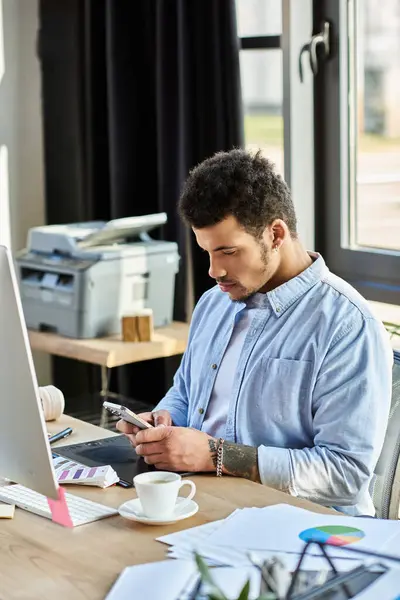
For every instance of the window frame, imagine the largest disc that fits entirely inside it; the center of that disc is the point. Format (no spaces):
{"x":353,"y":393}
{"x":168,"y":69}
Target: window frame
{"x":260,"y":42}
{"x":374,"y":272}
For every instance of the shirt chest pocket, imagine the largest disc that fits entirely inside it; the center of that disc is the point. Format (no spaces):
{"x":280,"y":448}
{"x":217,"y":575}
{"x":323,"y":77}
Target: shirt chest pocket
{"x":286,"y":388}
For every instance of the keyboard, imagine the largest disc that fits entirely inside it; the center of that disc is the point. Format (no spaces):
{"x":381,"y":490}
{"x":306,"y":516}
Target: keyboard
{"x":82,"y":511}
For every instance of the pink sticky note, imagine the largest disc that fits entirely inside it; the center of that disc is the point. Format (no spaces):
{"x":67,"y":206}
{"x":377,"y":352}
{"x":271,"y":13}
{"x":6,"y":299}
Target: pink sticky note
{"x":59,"y":509}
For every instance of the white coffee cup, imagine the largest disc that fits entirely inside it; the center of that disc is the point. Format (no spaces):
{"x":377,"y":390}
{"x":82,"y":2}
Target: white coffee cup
{"x":158,"y":492}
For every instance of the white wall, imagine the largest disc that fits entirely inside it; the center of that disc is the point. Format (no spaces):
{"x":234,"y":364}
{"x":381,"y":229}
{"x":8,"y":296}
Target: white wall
{"x":21,"y":133}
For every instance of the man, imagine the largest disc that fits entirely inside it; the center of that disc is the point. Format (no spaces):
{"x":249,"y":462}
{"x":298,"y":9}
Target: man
{"x":286,"y":379}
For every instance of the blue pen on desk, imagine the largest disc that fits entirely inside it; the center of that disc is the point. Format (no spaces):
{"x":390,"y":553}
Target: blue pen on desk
{"x":60,"y":435}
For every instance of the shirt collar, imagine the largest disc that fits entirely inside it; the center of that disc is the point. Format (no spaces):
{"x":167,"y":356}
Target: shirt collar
{"x":282,"y":297}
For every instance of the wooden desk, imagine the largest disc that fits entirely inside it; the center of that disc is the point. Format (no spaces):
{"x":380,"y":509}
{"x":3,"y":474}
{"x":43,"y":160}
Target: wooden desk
{"x":39,"y":559}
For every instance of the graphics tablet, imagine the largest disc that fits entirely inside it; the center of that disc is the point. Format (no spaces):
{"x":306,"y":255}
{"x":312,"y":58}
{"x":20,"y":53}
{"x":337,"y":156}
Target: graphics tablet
{"x":115,"y":451}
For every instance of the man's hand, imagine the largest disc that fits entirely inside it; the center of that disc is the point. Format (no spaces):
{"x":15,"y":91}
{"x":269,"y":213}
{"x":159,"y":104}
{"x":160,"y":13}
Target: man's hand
{"x":159,"y":417}
{"x":185,"y":449}
{"x":175,"y":449}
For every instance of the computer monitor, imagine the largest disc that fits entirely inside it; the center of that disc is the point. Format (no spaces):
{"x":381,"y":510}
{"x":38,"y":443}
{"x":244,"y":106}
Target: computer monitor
{"x":25,"y":455}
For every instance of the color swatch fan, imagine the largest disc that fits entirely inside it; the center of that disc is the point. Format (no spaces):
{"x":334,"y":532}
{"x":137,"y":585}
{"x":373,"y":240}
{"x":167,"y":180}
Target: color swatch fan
{"x":68,"y":471}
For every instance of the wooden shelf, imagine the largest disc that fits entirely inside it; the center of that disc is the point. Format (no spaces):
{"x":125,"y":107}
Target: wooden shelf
{"x":112,"y":351}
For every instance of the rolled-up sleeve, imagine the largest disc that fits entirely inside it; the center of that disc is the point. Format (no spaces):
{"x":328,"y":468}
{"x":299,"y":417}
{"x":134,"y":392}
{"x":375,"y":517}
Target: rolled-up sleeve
{"x":351,"y":403}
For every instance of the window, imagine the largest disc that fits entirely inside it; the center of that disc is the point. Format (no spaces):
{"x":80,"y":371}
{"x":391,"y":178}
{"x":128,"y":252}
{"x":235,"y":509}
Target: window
{"x":259,"y":18}
{"x":376,"y":123}
{"x":336,"y":135}
{"x":278,"y":105}
{"x":261,"y":74}
{"x":260,"y":28}
{"x":358,"y":154}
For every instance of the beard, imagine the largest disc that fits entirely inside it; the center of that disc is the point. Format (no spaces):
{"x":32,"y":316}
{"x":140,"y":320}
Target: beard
{"x":244,"y":293}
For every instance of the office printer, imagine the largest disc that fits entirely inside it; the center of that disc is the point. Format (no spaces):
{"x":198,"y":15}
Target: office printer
{"x":78,"y":280}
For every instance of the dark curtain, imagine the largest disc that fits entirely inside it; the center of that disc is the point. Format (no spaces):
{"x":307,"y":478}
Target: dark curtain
{"x":134,"y":95}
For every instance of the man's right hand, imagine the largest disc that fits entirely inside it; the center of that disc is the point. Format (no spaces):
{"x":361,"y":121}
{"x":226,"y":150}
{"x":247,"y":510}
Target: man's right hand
{"x":157,"y":418}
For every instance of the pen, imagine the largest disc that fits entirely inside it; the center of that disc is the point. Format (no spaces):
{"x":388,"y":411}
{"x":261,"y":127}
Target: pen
{"x":60,"y":435}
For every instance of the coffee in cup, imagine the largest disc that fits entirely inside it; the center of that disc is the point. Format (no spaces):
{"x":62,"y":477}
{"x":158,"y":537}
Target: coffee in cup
{"x":158,"y":492}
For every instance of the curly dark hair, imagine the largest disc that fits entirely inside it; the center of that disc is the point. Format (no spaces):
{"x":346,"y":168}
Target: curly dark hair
{"x":240,"y":184}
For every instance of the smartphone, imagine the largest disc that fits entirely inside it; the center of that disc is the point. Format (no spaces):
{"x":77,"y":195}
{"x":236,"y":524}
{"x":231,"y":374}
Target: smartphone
{"x":127,"y":415}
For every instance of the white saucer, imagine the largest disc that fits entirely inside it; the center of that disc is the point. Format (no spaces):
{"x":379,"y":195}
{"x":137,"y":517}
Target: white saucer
{"x":132,"y":510}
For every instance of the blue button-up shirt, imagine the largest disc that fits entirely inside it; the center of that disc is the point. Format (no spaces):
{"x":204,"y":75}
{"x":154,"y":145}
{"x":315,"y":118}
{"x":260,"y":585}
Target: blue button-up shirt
{"x":311,"y":390}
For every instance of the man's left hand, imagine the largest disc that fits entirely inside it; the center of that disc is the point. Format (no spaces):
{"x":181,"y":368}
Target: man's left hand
{"x":175,"y":448}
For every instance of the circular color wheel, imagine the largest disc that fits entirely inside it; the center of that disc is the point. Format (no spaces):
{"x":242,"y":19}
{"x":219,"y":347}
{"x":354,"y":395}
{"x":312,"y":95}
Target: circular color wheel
{"x":336,"y":535}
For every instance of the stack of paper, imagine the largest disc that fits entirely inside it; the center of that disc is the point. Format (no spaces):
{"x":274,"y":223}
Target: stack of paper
{"x":177,"y":580}
{"x":240,"y":544}
{"x":68,"y":471}
{"x":180,"y":580}
{"x":251,"y":535}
